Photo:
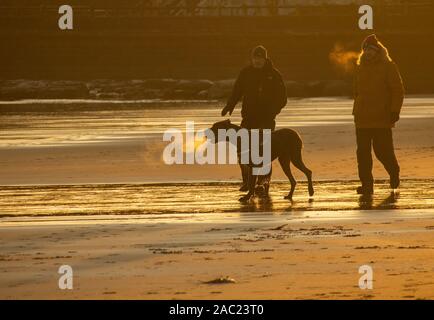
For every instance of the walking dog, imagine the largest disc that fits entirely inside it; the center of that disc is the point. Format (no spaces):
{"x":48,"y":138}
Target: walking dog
{"x":286,"y":146}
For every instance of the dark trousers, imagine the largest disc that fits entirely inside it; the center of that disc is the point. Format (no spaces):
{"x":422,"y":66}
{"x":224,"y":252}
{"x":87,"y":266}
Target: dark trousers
{"x":256,"y":124}
{"x":382,"y":142}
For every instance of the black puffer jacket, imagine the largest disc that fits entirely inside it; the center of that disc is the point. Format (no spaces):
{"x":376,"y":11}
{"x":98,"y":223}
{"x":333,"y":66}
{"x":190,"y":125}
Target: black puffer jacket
{"x":263,"y":93}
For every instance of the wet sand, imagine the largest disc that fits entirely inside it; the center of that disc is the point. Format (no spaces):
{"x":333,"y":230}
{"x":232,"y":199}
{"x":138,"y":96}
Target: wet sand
{"x":186,"y":199}
{"x":299,"y":255}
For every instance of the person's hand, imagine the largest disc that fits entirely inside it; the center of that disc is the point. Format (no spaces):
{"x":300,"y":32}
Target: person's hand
{"x":226,"y":110}
{"x":394,"y":117}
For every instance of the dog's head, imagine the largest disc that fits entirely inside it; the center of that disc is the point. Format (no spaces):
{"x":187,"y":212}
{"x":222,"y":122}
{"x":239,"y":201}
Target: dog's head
{"x":225,"y":125}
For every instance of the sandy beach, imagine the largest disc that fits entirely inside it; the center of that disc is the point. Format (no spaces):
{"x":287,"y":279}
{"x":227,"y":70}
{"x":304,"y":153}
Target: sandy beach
{"x":313,"y":255}
{"x":89,"y":189}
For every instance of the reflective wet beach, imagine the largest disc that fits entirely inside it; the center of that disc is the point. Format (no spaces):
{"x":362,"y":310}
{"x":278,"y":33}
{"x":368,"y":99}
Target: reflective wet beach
{"x":119,"y":122}
{"x":199,"y":198}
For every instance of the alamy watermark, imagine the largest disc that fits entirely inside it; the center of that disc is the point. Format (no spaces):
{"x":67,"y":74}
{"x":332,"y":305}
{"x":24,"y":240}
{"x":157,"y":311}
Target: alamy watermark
{"x":225,"y":146}
{"x":366,"y":281}
{"x":66,"y":20}
{"x":66,"y":279}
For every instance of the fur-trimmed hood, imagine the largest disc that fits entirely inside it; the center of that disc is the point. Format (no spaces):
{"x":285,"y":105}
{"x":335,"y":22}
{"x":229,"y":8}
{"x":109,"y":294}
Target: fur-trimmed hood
{"x":383,"y":56}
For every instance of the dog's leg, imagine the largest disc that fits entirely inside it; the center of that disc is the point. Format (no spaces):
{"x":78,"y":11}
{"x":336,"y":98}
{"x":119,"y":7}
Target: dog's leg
{"x":252,"y":184}
{"x":286,"y":167}
{"x":297,"y":160}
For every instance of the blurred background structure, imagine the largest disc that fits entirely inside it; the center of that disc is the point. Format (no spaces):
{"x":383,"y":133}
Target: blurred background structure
{"x":138,"y":39}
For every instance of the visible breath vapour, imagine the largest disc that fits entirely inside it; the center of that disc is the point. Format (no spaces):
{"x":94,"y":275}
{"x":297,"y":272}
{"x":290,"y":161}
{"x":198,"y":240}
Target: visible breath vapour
{"x":344,"y":60}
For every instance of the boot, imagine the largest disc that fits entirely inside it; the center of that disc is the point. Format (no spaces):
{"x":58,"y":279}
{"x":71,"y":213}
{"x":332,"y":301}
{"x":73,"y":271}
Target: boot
{"x":365,"y":190}
{"x":263,"y":186}
{"x":395,"y":181}
{"x":244,"y":187}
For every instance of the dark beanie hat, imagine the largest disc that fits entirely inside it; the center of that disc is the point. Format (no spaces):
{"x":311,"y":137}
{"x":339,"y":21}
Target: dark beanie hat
{"x":260,"y":52}
{"x":371,"y":41}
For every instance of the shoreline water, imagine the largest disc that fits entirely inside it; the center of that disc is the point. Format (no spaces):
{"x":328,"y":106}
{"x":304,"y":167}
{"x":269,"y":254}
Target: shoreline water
{"x":191,"y":182}
{"x":213,"y":199}
{"x":86,"y":104}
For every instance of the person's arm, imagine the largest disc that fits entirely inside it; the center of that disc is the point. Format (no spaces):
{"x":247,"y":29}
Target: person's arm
{"x":396,"y":87}
{"x":355,"y":89}
{"x":281,"y":94}
{"x":235,"y":97}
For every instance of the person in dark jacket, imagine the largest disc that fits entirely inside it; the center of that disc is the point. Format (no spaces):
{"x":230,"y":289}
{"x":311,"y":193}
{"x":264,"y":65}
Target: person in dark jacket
{"x":378,"y":98}
{"x":263,"y":93}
